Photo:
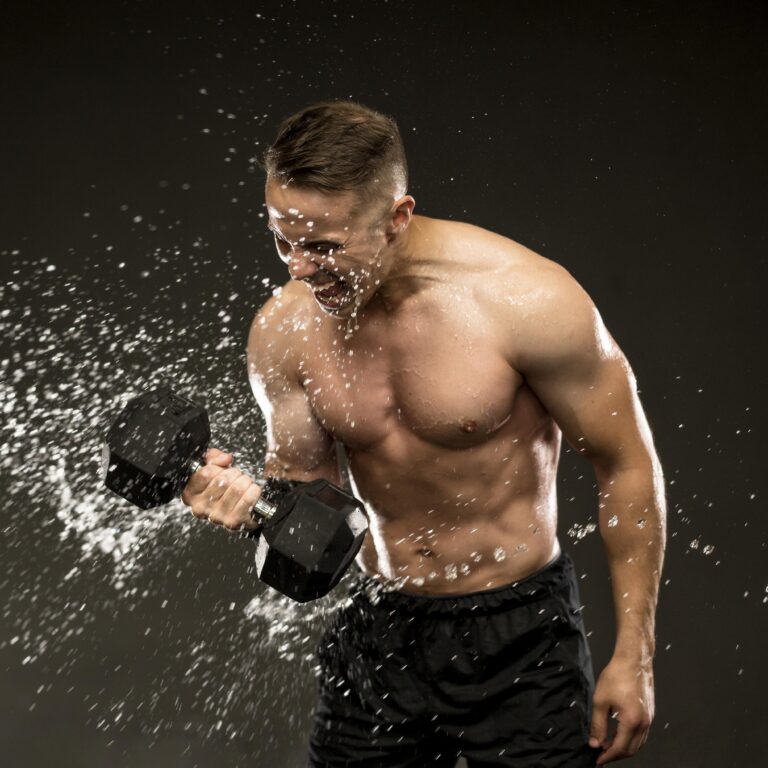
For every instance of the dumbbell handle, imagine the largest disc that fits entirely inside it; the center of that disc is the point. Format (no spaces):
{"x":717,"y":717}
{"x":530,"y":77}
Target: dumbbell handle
{"x":263,"y":508}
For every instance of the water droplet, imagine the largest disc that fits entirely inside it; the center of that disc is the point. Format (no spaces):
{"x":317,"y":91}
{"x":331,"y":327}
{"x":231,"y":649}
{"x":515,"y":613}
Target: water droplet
{"x":580,"y":531}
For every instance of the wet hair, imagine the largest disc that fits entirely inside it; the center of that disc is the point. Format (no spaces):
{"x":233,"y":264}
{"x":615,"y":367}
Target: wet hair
{"x":339,"y":146}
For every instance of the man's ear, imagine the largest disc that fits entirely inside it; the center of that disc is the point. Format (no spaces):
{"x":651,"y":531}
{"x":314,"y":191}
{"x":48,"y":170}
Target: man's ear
{"x":400,"y":216}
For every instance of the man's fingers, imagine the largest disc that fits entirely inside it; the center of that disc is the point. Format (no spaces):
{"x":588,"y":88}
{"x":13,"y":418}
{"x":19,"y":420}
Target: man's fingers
{"x":220,"y":458}
{"x":619,"y":748}
{"x":639,"y":739}
{"x":198,"y":510}
{"x":199,"y":482}
{"x":242,"y":510}
{"x":215,"y":462}
{"x":222,"y":493}
{"x":237,"y":487}
{"x":240,"y":517}
{"x":220,"y":484}
{"x":598,"y":731}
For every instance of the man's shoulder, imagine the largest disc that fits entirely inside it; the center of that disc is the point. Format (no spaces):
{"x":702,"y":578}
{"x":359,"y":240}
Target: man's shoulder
{"x":512,"y":283}
{"x":513,"y":276}
{"x":284,"y":311}
{"x":535,"y":304}
{"x":492,"y":250}
{"x":557,"y":321}
{"x":278,"y":325}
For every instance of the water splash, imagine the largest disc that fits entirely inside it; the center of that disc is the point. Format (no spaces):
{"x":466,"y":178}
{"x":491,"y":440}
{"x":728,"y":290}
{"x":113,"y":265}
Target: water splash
{"x":81,"y":563}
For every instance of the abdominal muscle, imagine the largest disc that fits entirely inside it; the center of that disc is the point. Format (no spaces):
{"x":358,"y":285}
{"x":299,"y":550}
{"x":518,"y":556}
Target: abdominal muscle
{"x":488,"y":557}
{"x":474,"y":521}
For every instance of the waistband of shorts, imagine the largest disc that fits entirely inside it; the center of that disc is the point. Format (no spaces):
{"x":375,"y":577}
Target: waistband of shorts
{"x":550,"y":578}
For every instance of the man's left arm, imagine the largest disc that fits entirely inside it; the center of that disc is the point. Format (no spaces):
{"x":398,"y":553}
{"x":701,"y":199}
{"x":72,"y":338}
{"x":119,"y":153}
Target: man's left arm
{"x":579,"y":373}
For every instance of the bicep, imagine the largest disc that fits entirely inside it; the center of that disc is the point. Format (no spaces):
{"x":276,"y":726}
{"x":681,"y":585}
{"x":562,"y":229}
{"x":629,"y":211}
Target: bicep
{"x":584,"y":380}
{"x":297,"y":446}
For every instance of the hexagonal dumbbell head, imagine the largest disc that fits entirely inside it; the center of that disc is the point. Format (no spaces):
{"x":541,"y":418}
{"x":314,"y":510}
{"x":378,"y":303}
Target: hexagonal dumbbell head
{"x":151,"y":448}
{"x":313,"y":536}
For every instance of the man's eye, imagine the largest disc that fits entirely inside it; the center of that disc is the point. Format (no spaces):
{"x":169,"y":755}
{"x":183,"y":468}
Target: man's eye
{"x":325,"y":250}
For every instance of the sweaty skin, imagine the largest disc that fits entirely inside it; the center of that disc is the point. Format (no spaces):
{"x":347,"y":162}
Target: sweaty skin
{"x":449,"y":362}
{"x":431,"y":387}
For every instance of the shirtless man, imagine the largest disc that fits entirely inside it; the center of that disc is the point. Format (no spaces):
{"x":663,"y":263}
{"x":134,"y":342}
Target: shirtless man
{"x":447,"y":361}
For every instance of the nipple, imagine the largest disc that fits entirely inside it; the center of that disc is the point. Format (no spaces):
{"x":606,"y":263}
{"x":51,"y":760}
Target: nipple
{"x":468,"y":425}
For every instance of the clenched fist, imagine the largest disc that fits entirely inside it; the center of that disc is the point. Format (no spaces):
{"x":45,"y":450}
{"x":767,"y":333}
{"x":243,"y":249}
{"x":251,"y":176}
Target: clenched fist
{"x":222,"y":494}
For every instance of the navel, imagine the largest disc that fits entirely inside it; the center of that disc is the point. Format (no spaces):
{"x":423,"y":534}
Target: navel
{"x":424,"y":551}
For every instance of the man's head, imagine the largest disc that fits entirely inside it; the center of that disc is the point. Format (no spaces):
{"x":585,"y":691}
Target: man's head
{"x":337,"y":203}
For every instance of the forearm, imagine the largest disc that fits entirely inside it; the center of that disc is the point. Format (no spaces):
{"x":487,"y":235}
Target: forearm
{"x":632,"y":520}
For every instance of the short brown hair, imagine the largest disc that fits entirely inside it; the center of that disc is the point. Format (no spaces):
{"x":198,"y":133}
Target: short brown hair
{"x":337,"y":146}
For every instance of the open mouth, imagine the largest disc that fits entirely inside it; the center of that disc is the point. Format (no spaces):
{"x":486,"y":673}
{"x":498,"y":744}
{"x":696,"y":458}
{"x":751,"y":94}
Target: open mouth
{"x":332,"y":295}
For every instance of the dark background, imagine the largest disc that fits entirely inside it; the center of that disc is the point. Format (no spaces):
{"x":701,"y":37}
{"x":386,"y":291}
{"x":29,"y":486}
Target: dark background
{"x":624,"y":141}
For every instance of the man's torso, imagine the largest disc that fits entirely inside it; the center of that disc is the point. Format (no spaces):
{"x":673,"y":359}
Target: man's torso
{"x":452,"y":453}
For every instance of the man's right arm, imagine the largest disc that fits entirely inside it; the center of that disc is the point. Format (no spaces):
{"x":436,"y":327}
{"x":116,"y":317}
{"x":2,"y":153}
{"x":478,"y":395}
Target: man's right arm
{"x":298,"y":448}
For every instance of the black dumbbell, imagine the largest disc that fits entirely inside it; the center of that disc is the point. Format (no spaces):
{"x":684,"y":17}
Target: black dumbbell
{"x":308,"y":538}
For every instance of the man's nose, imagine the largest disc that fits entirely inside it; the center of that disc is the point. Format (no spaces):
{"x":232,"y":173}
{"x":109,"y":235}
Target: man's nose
{"x":301,"y":266}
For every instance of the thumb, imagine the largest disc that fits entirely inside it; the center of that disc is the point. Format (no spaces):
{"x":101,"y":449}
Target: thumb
{"x":598,"y":730}
{"x":220,"y":458}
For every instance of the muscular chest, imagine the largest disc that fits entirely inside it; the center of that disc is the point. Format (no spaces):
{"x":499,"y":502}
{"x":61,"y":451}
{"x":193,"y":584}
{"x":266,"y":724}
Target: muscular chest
{"x":439,"y":376}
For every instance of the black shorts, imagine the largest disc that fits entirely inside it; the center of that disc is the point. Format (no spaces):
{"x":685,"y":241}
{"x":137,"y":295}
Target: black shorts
{"x":503,"y":677}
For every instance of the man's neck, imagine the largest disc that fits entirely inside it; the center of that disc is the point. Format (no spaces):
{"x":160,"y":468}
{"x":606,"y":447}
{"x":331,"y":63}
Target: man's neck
{"x":408,"y":258}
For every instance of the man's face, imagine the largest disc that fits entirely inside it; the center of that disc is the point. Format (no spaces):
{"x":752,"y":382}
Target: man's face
{"x":339,"y":255}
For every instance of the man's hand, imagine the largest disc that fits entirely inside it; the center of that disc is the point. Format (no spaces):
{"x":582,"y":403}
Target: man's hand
{"x":624,"y":690}
{"x":222,"y":494}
